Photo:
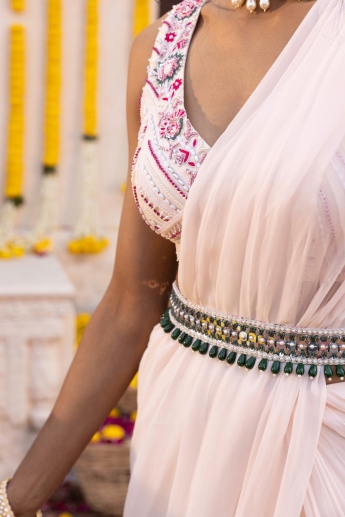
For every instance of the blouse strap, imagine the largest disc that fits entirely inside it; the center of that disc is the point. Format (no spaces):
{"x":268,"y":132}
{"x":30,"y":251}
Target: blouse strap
{"x":176,"y":30}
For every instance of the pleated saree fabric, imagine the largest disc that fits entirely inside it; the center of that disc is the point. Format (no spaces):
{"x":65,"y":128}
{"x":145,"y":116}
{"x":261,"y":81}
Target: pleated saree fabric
{"x":263,"y":238}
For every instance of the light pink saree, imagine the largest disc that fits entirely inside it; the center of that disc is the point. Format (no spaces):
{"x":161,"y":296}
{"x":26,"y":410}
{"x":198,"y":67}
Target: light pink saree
{"x":263,"y":238}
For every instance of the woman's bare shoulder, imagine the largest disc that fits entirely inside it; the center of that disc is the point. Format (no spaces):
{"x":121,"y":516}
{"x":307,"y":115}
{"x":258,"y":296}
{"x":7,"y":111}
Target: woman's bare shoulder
{"x":137,"y":73}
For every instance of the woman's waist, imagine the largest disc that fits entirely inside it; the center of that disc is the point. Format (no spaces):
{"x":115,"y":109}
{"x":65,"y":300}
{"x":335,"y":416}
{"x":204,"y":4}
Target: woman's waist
{"x":300,"y":348}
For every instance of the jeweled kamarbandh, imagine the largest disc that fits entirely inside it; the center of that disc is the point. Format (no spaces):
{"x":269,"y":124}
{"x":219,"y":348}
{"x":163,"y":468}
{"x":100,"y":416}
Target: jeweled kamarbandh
{"x":249,"y":342}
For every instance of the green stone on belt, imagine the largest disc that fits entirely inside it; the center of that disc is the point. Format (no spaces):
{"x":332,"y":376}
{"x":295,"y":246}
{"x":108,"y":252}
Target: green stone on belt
{"x":275,"y":367}
{"x":188,"y":340}
{"x":165,"y":321}
{"x":231,"y":358}
{"x":222,"y":354}
{"x":203,"y":348}
{"x":213,"y":352}
{"x":250,"y":363}
{"x":300,"y":369}
{"x":263,"y":365}
{"x":175,"y":334}
{"x":340,"y":371}
{"x":312,"y":371}
{"x":182,"y":337}
{"x":165,"y":313}
{"x":241,"y":361}
{"x":196,"y":345}
{"x":328,"y":371}
{"x":288,"y":368}
{"x":168,"y":328}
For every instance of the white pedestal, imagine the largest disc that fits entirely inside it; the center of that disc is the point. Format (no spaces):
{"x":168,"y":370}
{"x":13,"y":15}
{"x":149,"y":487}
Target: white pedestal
{"x":37,"y":319}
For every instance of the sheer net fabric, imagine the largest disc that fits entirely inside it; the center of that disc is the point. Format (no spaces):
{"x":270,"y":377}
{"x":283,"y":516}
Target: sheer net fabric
{"x":263,"y":237}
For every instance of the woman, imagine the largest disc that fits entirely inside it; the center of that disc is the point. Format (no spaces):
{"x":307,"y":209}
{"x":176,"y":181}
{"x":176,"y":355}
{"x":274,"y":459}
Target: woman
{"x":261,"y":160}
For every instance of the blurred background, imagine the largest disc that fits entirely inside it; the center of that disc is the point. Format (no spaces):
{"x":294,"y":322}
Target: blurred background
{"x":63,"y":157}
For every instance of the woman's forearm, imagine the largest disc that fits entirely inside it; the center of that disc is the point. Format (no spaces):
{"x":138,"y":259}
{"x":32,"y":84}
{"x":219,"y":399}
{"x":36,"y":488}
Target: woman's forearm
{"x":106,"y":362}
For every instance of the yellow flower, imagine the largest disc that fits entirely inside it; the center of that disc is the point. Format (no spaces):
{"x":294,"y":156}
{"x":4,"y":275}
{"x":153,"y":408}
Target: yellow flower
{"x":81,"y":322}
{"x":113,"y":432}
{"x":5,"y":253}
{"x":114,"y":413}
{"x":97,"y":437}
{"x":134,"y":382}
{"x":11,"y":250}
{"x":16,"y":250}
{"x":42,"y":247}
{"x":88,"y":244}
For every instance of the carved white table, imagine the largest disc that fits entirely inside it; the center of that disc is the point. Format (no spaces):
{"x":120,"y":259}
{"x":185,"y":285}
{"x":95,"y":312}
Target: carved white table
{"x":37,"y":318}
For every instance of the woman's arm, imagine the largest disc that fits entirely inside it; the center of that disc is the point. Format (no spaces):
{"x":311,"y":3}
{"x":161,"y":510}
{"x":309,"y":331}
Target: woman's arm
{"x":115,"y":338}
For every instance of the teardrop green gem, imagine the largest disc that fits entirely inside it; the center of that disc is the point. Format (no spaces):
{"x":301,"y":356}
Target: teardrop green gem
{"x":182,"y":337}
{"x":275,"y":367}
{"x":231,"y":358}
{"x":328,"y":371}
{"x":165,"y":313}
{"x":241,"y":361}
{"x":168,"y":328}
{"x":340,"y":371}
{"x":188,"y":340}
{"x":165,"y":321}
{"x":203,"y":348}
{"x":222,"y":354}
{"x":300,"y":369}
{"x":312,"y":371}
{"x":213,"y":352}
{"x":175,"y":334}
{"x":288,"y":368}
{"x":263,"y":365}
{"x":250,"y":363}
{"x":196,"y":345}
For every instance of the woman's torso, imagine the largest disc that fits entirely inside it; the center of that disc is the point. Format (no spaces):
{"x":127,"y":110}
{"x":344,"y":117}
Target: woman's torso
{"x":221,"y":267}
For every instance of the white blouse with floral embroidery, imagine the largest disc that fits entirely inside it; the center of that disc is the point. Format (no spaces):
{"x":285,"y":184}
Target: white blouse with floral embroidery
{"x":169,"y":151}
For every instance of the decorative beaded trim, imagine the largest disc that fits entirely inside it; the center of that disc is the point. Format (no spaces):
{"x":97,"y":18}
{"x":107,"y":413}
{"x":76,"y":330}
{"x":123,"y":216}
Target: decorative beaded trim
{"x":255,"y":323}
{"x":253,"y":339}
{"x":5,"y":508}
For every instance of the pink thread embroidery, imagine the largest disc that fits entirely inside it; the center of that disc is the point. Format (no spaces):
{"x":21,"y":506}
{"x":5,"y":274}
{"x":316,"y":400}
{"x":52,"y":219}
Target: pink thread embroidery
{"x":164,"y":171}
{"x":171,"y":124}
{"x":153,"y":88}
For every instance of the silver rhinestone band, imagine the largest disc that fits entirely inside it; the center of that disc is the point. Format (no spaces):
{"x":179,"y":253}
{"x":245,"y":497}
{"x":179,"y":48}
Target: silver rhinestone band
{"x":259,"y":324}
{"x":254,"y":338}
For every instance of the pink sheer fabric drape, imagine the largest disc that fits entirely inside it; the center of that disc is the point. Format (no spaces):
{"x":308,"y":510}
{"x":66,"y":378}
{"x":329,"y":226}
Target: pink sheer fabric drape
{"x":263,"y":238}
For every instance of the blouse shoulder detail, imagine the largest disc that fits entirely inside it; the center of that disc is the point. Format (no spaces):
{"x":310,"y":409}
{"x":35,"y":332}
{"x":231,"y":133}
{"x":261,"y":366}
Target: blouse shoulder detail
{"x":170,"y":151}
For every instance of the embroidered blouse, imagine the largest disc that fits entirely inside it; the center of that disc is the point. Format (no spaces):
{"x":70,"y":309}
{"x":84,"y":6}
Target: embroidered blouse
{"x":170,"y":151}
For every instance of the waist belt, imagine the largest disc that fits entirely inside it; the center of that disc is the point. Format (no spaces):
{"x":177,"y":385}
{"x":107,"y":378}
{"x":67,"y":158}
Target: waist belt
{"x":231,"y":339}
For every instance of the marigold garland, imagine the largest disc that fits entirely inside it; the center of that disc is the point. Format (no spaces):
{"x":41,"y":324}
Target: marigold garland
{"x":18,"y":5}
{"x":142,"y":15}
{"x":9,"y":246}
{"x":141,"y":19}
{"x":87,"y":235}
{"x":41,"y":241}
{"x":91,"y":66}
{"x":53,"y":82}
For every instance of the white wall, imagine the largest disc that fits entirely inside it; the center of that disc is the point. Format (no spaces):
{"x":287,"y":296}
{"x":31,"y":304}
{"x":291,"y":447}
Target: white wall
{"x":89,"y":275}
